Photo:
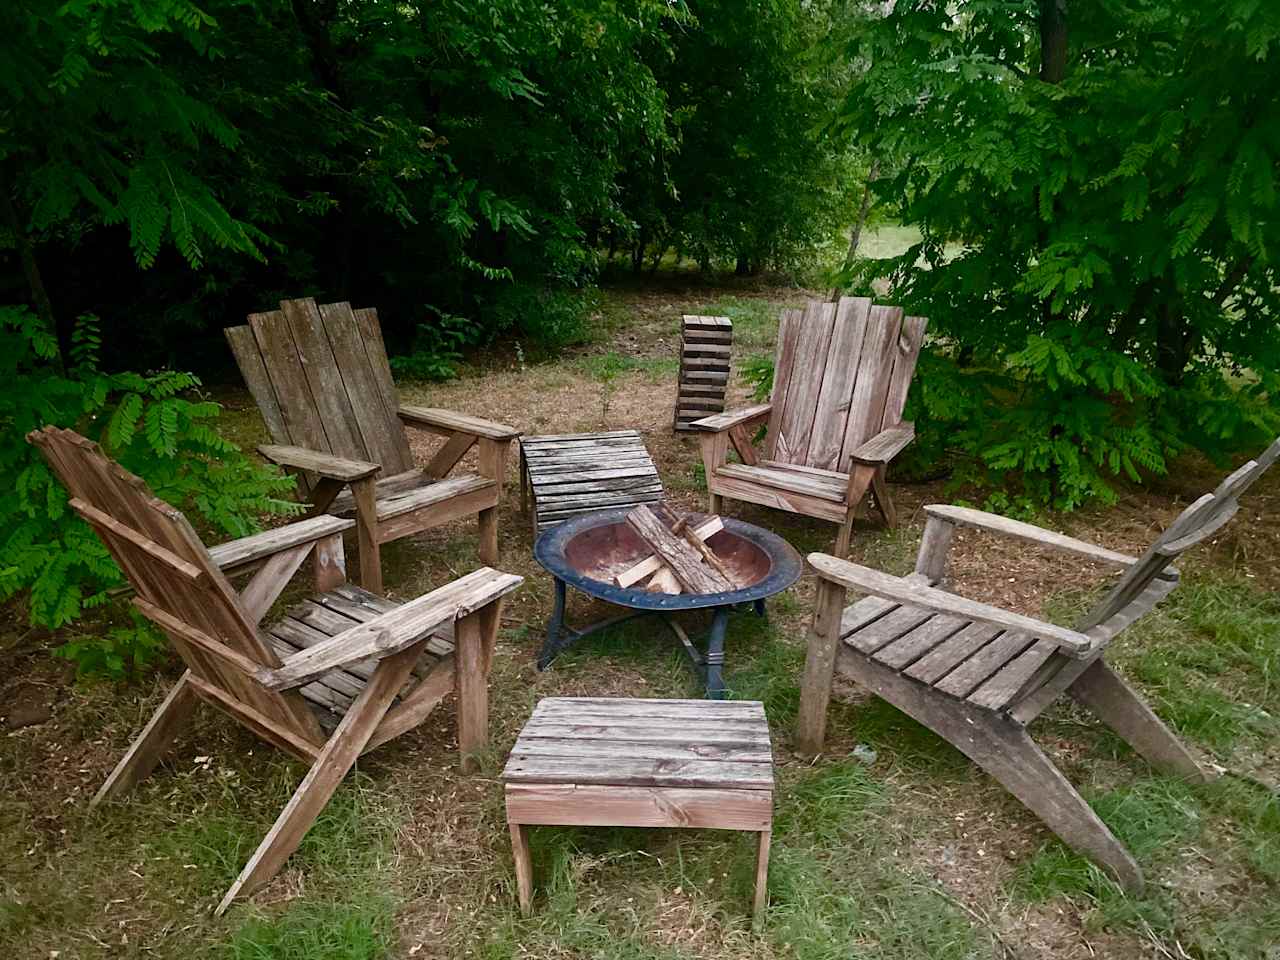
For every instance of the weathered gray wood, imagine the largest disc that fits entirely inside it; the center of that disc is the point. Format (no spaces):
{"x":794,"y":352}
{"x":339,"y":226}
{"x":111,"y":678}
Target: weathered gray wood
{"x":1006,"y":751}
{"x":885,"y":445}
{"x":931,"y":558}
{"x":452,"y":422}
{"x":705,"y":349}
{"x":875,"y":366}
{"x":981,"y":520}
{"x":836,"y":392}
{"x":966,"y":677}
{"x":1012,"y":678}
{"x":704,"y":711}
{"x":793,"y":426}
{"x":653,"y":563}
{"x":370,"y":334}
{"x":325,"y":464}
{"x":319,"y":369}
{"x":396,"y":630}
{"x":638,"y":750}
{"x":723,"y":421}
{"x":169,"y":720}
{"x":303,"y":423}
{"x":917,"y":593}
{"x":676,"y":553}
{"x":240,"y":554}
{"x":915,"y":643}
{"x":627,"y":806}
{"x":819,"y":665}
{"x":952,"y":652}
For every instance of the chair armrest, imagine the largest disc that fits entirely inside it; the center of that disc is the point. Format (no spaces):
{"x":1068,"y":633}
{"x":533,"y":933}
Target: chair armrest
{"x":433,"y":417}
{"x":915,"y":591}
{"x":325,"y":464}
{"x":885,"y":445}
{"x":235,"y":554}
{"x":395,"y":630}
{"x":720,"y":422}
{"x":981,"y":520}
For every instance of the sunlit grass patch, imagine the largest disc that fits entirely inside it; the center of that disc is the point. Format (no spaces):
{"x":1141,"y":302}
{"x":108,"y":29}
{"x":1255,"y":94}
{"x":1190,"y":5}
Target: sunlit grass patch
{"x":308,"y":931}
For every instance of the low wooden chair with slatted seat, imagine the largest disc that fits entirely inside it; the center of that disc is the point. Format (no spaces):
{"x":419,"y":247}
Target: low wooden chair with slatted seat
{"x":341,"y":673}
{"x":840,"y":382}
{"x":977,"y":675}
{"x":321,"y":378}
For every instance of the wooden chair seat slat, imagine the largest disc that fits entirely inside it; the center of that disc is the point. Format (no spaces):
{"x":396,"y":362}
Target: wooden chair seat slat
{"x":780,"y":478}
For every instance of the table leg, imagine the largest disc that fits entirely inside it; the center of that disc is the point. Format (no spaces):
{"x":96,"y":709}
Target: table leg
{"x":715,"y":654}
{"x":555,"y":628}
{"x":762,"y":880}
{"x":524,"y":866}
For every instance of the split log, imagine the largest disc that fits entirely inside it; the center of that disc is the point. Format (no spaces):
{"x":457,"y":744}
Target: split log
{"x":652,"y":564}
{"x":684,"y":561}
{"x":664,"y":581}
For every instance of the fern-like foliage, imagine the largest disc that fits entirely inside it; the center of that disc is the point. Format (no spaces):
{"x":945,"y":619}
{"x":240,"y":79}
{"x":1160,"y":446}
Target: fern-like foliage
{"x":157,"y":426}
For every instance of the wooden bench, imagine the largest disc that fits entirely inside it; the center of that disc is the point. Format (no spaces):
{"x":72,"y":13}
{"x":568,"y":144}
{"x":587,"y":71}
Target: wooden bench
{"x":575,"y":473}
{"x":587,"y":761}
{"x":705,"y":347}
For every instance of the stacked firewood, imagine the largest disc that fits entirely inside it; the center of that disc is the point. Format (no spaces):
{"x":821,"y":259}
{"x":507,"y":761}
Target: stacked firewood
{"x":681,"y":561}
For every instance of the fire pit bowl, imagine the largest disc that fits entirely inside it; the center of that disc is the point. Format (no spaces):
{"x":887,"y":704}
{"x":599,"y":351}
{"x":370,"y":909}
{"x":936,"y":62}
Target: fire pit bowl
{"x":588,"y":551}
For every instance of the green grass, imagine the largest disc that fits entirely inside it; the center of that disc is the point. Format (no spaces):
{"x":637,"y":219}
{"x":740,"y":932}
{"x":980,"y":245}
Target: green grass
{"x":308,"y":931}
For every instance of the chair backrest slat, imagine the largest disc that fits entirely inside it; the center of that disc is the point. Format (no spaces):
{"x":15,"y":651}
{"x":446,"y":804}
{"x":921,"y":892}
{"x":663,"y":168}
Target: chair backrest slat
{"x":320,"y":376}
{"x":841,"y":375}
{"x":170,"y":569}
{"x":1195,"y":524}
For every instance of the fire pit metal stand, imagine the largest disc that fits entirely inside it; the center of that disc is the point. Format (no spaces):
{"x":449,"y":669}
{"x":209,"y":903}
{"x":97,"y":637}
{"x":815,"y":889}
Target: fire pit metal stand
{"x":582,"y":551}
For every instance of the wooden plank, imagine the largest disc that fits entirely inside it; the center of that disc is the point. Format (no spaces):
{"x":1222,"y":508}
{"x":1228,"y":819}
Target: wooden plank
{"x":885,"y":445}
{"x":890,"y":627}
{"x":957,"y":648}
{"x":639,"y":772}
{"x":457,"y":422}
{"x":268,"y":728}
{"x":789,"y":328}
{"x":966,"y":677}
{"x":782,"y":479}
{"x":639,"y":750}
{"x":319,"y":461}
{"x":684,"y":562}
{"x":269,"y":582}
{"x":244,"y":347}
{"x":801,"y":503}
{"x":551,"y":481}
{"x":650,"y":730}
{"x":376,"y":353}
{"x":794,"y":427}
{"x":914,"y":644}
{"x":871,"y":386}
{"x":915,"y":592}
{"x":432,"y":493}
{"x":1005,"y":684}
{"x":1017,"y":529}
{"x":238,"y":554}
{"x":396,"y":630}
{"x":573,"y":805}
{"x":109,"y":526}
{"x":910,"y":340}
{"x":303,"y":421}
{"x":652,"y":707}
{"x":320,"y":368}
{"x":378,"y":427}
{"x":832,"y":412}
{"x":723,"y":421}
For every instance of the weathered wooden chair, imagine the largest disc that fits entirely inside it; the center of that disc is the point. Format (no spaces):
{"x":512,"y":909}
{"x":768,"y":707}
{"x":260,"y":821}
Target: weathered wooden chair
{"x":841,"y":376}
{"x":977,"y":675}
{"x":321,"y":379}
{"x":344,"y":661}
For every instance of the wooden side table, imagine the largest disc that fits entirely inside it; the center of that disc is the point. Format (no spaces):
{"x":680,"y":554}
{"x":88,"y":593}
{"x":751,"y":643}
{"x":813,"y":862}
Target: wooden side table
{"x":589,"y":761}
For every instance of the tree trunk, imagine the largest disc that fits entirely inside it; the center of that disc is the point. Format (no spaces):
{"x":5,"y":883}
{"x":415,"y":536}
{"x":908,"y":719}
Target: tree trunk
{"x":1053,"y":40}
{"x":743,"y":267}
{"x":864,"y":210}
{"x":31,"y":270}
{"x":1174,"y":342}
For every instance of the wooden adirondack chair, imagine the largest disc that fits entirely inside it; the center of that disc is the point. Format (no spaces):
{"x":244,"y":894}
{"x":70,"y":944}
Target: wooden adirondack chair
{"x":344,"y":661}
{"x":321,"y":379}
{"x":841,"y":377}
{"x":977,"y":675}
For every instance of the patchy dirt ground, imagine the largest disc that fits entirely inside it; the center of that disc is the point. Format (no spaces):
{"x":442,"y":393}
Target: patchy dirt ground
{"x":909,"y":851}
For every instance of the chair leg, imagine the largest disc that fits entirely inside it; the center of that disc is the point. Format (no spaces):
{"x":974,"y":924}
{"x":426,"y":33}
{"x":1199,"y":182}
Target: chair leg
{"x":761,"y":900}
{"x":489,"y":536}
{"x":844,"y":536}
{"x":524,"y":866}
{"x":331,"y":766}
{"x":366,"y":500}
{"x":1117,"y":705}
{"x":715,"y":504}
{"x":1003,"y":748}
{"x":149,"y":746}
{"x":474,"y":636}
{"x":884,"y":503}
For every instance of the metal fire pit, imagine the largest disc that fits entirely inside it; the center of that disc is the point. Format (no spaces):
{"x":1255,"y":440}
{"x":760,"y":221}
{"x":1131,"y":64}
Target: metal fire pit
{"x":589,"y":551}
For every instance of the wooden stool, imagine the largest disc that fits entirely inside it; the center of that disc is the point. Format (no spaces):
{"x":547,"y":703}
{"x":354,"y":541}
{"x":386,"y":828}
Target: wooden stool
{"x":575,"y":473}
{"x":595,"y":762}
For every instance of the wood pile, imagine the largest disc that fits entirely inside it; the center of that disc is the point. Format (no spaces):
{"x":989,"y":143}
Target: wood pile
{"x":681,"y":561}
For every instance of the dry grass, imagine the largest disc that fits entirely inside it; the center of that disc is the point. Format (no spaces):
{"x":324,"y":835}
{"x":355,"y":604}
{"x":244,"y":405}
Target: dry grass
{"x":916,"y":854}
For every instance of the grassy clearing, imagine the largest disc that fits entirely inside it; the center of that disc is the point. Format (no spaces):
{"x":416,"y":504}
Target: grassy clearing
{"x":891,"y":845}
